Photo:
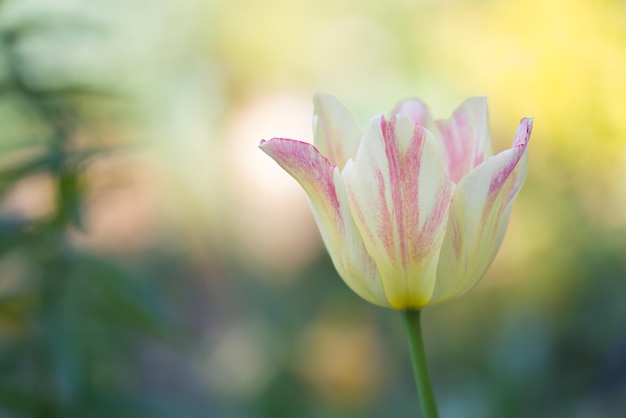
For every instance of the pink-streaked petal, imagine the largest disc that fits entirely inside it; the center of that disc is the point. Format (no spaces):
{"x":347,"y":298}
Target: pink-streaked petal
{"x":350,"y":257}
{"x":335,"y":132}
{"x":324,"y":186}
{"x":416,"y":110}
{"x":399,"y":197}
{"x":466,"y":137}
{"x":480,"y":212}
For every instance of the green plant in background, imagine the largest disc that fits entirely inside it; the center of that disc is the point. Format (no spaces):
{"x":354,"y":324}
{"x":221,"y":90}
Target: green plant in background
{"x":71,"y":322}
{"x":413,"y":210}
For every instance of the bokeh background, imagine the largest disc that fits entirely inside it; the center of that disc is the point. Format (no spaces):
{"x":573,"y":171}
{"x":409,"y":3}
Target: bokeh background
{"x":154,"y":263}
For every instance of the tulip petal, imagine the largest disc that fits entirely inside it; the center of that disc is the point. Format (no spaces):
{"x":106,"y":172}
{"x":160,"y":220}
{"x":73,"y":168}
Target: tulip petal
{"x":325,"y":188}
{"x":335,"y":132}
{"x":400,"y":196}
{"x":416,"y":110}
{"x":466,"y":137}
{"x":480,"y":212}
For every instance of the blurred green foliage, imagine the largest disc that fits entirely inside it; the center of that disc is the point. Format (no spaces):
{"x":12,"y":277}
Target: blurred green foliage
{"x":72,"y":323}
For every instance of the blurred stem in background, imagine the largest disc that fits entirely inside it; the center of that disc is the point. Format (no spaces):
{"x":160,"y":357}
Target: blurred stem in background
{"x":62,"y":163}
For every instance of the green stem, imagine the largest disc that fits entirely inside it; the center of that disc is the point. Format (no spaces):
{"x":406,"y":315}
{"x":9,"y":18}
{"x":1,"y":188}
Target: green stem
{"x":418,"y":356}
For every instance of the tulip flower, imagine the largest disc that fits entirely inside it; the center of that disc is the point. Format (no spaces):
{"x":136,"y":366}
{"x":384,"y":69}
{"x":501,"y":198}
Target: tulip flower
{"x":412,"y":210}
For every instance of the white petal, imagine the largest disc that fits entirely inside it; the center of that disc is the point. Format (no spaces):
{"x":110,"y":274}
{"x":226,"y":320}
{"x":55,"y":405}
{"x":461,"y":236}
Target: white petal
{"x":480,"y":212}
{"x":466,"y":137}
{"x":399,"y":196}
{"x":336,"y":134}
{"x":324,"y":186}
{"x":416,"y":110}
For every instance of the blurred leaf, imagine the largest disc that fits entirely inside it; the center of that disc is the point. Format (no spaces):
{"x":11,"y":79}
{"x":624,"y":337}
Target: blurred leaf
{"x":13,"y":307}
{"x":17,"y":400}
{"x":13,"y":232}
{"x":67,"y":164}
{"x":8,"y":176}
{"x":118,"y":298}
{"x":70,"y":206}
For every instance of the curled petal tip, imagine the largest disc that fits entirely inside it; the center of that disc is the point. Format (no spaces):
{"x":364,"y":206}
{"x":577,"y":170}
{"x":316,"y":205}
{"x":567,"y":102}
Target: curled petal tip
{"x":416,"y":110}
{"x":528,"y":122}
{"x":274,"y":142}
{"x":270,"y":145}
{"x":523,"y":132}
